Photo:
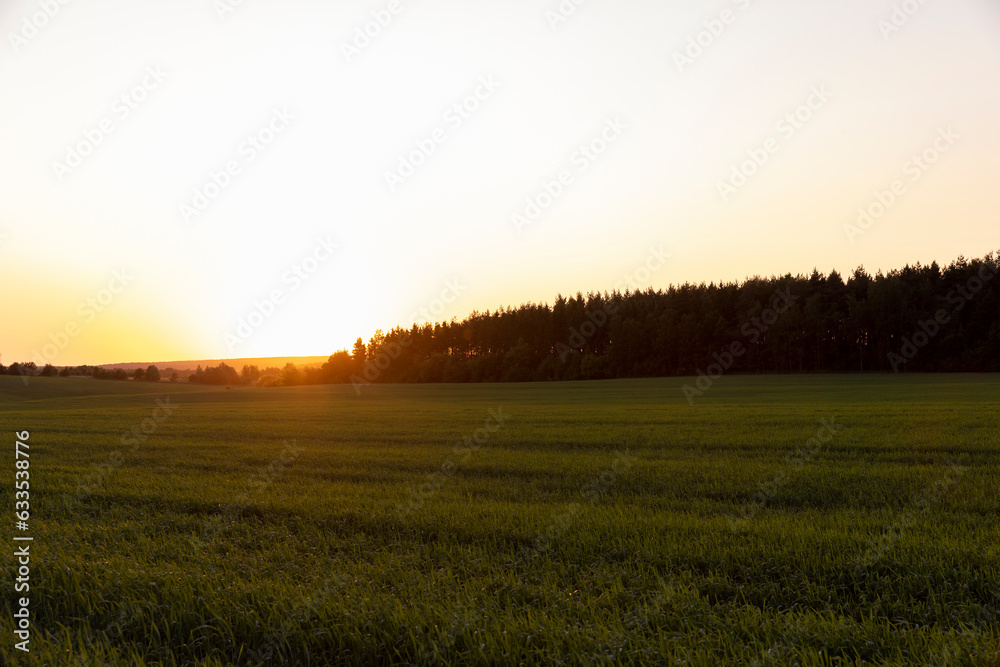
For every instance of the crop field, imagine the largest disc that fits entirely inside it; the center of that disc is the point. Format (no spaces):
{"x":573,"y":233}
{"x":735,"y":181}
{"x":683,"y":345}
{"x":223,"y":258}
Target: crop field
{"x":779,"y":520}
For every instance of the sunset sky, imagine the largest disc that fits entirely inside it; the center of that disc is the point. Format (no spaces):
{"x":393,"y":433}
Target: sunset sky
{"x":167,"y":169}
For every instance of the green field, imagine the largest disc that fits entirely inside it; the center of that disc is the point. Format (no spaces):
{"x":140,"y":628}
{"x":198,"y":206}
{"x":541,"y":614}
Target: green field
{"x":595,"y":523}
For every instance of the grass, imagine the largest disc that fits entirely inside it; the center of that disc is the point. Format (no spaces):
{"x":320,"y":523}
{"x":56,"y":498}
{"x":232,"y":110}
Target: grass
{"x":600,"y":523}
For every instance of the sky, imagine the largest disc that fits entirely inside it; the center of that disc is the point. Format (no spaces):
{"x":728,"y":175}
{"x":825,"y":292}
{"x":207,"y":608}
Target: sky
{"x":226,"y":178}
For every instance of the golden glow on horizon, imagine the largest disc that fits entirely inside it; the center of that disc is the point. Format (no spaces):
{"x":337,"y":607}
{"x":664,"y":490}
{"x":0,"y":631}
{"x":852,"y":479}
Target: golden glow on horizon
{"x":323,"y":175}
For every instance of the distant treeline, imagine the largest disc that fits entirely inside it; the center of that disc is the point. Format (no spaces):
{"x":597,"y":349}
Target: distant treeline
{"x":919,"y":318}
{"x":30,"y":368}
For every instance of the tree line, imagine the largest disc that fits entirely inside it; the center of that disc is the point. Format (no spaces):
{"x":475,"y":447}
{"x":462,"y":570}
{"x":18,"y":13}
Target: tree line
{"x":914,"y":319}
{"x":149,"y":374}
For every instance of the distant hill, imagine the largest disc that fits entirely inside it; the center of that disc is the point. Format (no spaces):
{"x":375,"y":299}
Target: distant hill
{"x":189,"y":365}
{"x":15,"y":389}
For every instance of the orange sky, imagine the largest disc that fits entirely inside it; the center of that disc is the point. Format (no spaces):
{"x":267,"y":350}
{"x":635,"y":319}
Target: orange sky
{"x":268,"y":172}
